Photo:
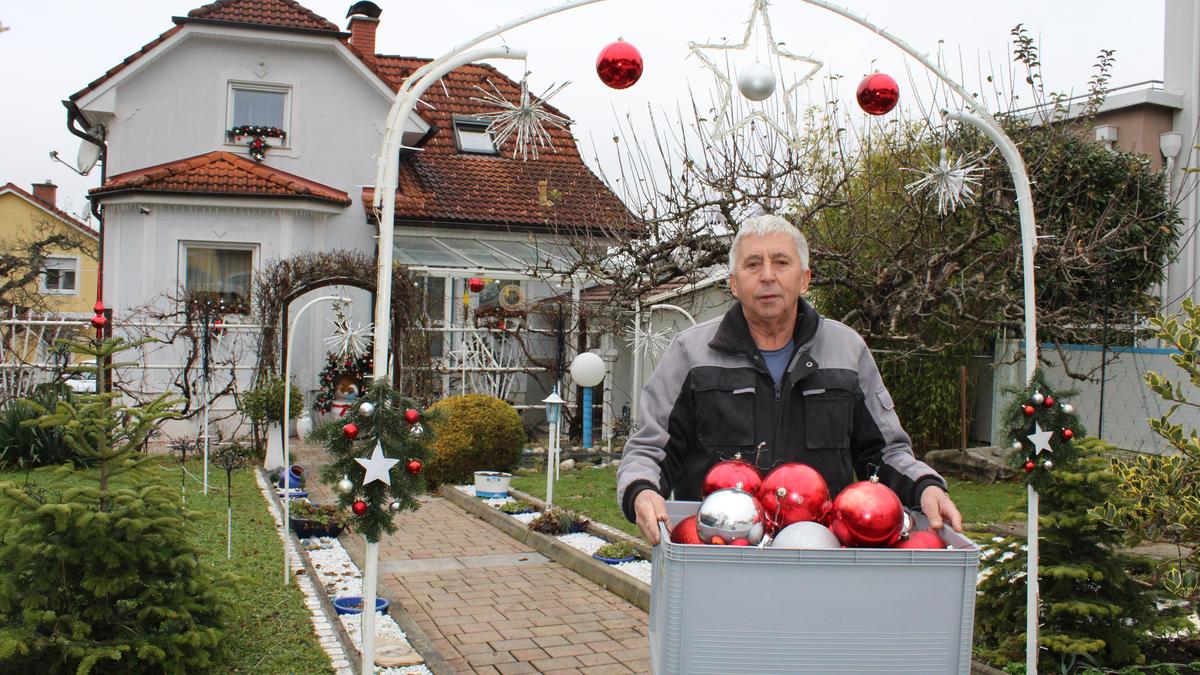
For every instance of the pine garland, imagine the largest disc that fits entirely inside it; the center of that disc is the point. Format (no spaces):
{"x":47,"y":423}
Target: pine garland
{"x":336,"y":366}
{"x":387,"y":427}
{"x":1051,"y":412}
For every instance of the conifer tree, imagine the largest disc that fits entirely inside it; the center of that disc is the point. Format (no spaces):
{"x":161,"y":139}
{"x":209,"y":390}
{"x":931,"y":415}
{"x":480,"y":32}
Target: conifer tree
{"x":99,"y":575}
{"x":1093,"y":610}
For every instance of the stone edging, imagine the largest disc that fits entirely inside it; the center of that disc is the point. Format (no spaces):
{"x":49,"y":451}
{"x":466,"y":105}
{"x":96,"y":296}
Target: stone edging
{"x":621,"y":584}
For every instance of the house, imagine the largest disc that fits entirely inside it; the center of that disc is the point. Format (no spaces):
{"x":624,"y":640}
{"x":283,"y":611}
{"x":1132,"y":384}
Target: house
{"x":248,"y":132}
{"x":67,"y":283}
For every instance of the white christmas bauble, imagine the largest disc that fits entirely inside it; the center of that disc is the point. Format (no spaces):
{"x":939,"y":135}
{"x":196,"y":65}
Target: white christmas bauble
{"x":366,"y":408}
{"x":1048,"y":464}
{"x":1068,"y":408}
{"x":394,"y":506}
{"x":805,"y":534}
{"x":756,"y":82}
{"x":1038,"y":398}
{"x":344,"y":485}
{"x":416,"y":430}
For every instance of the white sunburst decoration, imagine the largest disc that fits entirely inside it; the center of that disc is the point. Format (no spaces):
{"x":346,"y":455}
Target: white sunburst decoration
{"x":949,"y":183}
{"x":525,"y":120}
{"x":349,"y":339}
{"x":649,"y":343}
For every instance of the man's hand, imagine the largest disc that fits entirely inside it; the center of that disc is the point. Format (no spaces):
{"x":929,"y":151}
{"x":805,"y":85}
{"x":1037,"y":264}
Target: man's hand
{"x":650,"y":508}
{"x":936,"y":506}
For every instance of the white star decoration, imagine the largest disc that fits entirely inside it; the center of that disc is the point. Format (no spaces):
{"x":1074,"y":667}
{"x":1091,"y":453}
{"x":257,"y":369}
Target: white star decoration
{"x":1041,"y":439}
{"x":349,"y":339}
{"x":791,"y":134}
{"x":952,"y":184}
{"x":526,"y":119}
{"x":650,"y":343}
{"x":377,"y":466}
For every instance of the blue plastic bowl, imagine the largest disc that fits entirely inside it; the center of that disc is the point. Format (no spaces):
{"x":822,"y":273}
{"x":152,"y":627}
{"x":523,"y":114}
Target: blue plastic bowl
{"x":352,"y":604}
{"x":614,"y":561}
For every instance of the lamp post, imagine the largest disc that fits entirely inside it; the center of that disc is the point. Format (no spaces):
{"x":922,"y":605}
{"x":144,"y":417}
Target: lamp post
{"x":588,"y":371}
{"x":554,"y":404}
{"x":287,"y":407}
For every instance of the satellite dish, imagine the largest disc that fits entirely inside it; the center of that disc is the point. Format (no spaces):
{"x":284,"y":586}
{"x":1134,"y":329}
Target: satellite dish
{"x":89,"y":154}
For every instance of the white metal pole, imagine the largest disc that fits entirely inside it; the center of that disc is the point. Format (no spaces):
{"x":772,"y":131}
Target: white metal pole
{"x":287,"y":406}
{"x":637,"y":368}
{"x":370,"y":577}
{"x":207,"y":375}
{"x":550,"y":465}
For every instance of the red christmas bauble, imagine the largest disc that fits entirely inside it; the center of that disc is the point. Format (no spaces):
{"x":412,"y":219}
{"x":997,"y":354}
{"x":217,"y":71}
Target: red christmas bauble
{"x":414,"y":466}
{"x":684,"y":532}
{"x":1049,"y":402}
{"x":619,"y":65}
{"x":1068,"y":434}
{"x":741,"y":541}
{"x":736,"y":473}
{"x":476,"y":284}
{"x":412,"y":416}
{"x":99,"y":321}
{"x":359,"y":507}
{"x":793,"y":493}
{"x":867,"y":514}
{"x":350,"y":430}
{"x":98,"y":308}
{"x":922,"y":539}
{"x":1028,"y":410}
{"x":1029,"y":466}
{"x":878,"y":94}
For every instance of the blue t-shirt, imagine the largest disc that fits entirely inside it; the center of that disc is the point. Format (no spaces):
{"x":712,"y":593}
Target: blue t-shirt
{"x":777,"y":360}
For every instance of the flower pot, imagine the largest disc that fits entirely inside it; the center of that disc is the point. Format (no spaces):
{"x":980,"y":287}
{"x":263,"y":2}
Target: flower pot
{"x":306,"y":528}
{"x":352,"y":604}
{"x":274,"y":459}
{"x":614,"y":561}
{"x":492,"y":484}
{"x":295,"y":477}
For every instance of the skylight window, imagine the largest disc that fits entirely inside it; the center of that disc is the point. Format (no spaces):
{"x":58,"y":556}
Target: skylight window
{"x":472,"y":136}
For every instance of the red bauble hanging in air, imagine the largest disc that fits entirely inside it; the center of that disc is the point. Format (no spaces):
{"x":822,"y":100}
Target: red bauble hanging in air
{"x":350,"y":431}
{"x":476,"y":284}
{"x":412,"y":416}
{"x":359,"y":507}
{"x":684,"y":532}
{"x":794,"y":493}
{"x":878,"y":94}
{"x":867,"y":514}
{"x":414,"y":466}
{"x":731,"y":473}
{"x":619,"y":65}
{"x":922,"y":539}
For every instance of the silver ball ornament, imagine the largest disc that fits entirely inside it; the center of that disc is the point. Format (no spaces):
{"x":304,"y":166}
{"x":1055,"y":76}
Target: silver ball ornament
{"x":1068,"y":408}
{"x":756,"y":82}
{"x":1038,"y":398}
{"x":394,"y":506}
{"x":366,"y":408}
{"x":806,"y":534}
{"x":728,"y":515}
{"x":344,"y":486}
{"x":1016,"y":445}
{"x":416,"y":430}
{"x":1048,"y":464}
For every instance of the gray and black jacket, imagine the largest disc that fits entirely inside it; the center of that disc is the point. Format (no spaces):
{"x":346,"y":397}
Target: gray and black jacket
{"x":712,"y":397}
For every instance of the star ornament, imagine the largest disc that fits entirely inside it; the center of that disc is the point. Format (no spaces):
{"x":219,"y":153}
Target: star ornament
{"x":950,"y":183}
{"x":721,"y":126}
{"x":1040,"y":439}
{"x":377,"y":466}
{"x":525,"y":121}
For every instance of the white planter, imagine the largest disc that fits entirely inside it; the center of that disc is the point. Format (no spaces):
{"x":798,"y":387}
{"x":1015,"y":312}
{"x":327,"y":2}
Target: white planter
{"x":492,"y":484}
{"x":274,"y":458}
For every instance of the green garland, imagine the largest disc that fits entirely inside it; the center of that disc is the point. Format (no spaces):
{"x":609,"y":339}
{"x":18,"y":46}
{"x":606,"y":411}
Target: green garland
{"x":1040,"y":406}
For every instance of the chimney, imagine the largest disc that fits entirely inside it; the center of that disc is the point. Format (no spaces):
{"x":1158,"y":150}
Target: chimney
{"x":46,"y":192}
{"x":364,"y":20}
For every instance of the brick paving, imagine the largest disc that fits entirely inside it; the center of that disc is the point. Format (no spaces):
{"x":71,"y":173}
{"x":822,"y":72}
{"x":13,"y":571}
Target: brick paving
{"x":490,"y":604}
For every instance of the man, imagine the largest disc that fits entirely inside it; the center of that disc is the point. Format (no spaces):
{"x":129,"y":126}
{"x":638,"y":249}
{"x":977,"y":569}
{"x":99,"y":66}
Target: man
{"x":775,"y":382}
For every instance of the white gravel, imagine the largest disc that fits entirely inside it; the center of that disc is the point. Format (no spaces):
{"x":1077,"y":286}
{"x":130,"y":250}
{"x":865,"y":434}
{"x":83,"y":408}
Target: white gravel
{"x":525,"y":517}
{"x":638,"y":569}
{"x":587,"y":543}
{"x":384,"y":626}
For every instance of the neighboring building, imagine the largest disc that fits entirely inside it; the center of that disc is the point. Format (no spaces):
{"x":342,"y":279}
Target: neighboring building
{"x":68,"y":282}
{"x":195,"y":201}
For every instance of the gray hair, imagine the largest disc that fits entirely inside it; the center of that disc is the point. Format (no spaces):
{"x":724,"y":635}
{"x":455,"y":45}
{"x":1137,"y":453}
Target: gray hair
{"x":769,"y":224}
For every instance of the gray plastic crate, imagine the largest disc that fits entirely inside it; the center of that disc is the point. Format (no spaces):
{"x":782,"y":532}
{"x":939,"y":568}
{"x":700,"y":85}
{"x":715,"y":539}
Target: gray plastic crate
{"x":732,"y":609}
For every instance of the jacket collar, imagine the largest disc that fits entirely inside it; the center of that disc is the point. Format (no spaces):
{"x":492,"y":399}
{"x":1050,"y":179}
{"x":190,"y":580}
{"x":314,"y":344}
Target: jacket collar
{"x":733,"y":335}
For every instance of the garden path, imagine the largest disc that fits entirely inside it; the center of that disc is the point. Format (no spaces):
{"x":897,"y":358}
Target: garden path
{"x":489,"y":604}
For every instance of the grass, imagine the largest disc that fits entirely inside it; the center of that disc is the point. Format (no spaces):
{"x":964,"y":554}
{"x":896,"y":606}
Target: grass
{"x":594,"y":492}
{"x":268,"y":628}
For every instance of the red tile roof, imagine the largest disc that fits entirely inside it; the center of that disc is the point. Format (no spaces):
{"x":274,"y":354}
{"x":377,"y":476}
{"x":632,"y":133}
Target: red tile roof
{"x":59,"y":213}
{"x":220,"y":173}
{"x":123,"y":64}
{"x":273,"y":13}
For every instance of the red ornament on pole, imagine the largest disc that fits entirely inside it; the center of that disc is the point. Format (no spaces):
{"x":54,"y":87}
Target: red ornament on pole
{"x":414,"y":466}
{"x":475,"y":284}
{"x":99,"y":322}
{"x":412,"y":416}
{"x":359,"y":507}
{"x":878,"y":94}
{"x":867,"y":514}
{"x":619,"y":65}
{"x":350,"y":431}
{"x":1068,"y":434}
{"x":1028,"y":410}
{"x":793,"y":493}
{"x":736,"y":473}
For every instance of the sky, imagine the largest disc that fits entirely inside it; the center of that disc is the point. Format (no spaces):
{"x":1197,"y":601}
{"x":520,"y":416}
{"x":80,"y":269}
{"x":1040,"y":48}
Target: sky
{"x":53,"y":49}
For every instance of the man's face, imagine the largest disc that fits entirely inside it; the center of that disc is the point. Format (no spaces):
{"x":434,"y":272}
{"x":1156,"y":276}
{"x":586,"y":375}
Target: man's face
{"x":767,"y":278}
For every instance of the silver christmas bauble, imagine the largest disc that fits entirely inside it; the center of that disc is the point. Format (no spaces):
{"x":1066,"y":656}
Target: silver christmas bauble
{"x":806,"y":534}
{"x":394,"y":506}
{"x":1048,"y":464}
{"x":344,"y":486}
{"x":729,"y":515}
{"x":1016,"y":445}
{"x":907,"y":525}
{"x":1068,"y":408}
{"x":366,"y":408}
{"x":756,"y":82}
{"x":416,"y":430}
{"x":1038,"y":398}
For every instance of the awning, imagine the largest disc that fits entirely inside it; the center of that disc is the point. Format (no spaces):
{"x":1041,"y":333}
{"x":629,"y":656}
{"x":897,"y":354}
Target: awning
{"x":482,"y":253}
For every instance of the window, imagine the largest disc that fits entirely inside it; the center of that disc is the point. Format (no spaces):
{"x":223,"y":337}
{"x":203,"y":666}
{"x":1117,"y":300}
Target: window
{"x":221,"y":274}
{"x":61,"y":276}
{"x":472,"y":136}
{"x":259,"y":106}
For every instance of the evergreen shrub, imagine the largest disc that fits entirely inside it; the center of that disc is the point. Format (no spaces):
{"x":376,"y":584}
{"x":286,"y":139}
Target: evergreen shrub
{"x":476,"y":432}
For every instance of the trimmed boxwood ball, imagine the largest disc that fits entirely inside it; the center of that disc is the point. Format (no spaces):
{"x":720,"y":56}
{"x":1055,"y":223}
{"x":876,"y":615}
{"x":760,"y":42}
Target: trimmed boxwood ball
{"x":476,"y":433}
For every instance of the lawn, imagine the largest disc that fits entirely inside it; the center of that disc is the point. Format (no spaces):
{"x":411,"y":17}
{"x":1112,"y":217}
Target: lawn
{"x":593,"y":491}
{"x":268,"y":629}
